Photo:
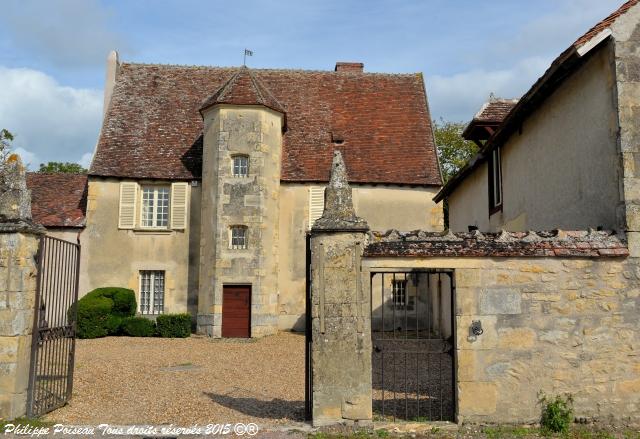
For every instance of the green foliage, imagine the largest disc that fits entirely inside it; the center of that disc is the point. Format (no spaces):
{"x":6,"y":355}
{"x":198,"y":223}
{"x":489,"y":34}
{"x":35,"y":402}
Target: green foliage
{"x":138,"y":327}
{"x":101,"y":311}
{"x":557,"y":413}
{"x":453,"y":151}
{"x":5,"y":145}
{"x":63,"y":167}
{"x":499,"y":432}
{"x":174,"y":325}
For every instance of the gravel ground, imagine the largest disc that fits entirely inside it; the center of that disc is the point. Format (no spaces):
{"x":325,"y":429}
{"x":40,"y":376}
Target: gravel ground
{"x":124,"y":381}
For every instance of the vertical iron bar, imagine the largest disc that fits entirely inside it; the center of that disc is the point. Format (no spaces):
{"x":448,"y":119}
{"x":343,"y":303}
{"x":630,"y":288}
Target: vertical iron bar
{"x":382,"y":367}
{"x":429,"y":384}
{"x":393,"y":303}
{"x":418,"y":383}
{"x":48,"y":344}
{"x":35,"y":335}
{"x":429,"y":304}
{"x":454,"y":384}
{"x":406,"y":384}
{"x":406,"y":311}
{"x":74,"y":317}
{"x":394,"y":386}
{"x":382,"y":306}
{"x":440,"y":381}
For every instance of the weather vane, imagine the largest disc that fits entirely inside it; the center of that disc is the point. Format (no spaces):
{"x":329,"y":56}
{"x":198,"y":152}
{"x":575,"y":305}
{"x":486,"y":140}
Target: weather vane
{"x":247,"y":52}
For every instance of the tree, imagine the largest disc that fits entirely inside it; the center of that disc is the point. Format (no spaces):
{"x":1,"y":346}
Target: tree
{"x":61,"y":167}
{"x":453,"y":151}
{"x":5,"y":146}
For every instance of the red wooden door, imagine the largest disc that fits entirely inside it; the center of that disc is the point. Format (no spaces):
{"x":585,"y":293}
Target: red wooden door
{"x":236,"y":311}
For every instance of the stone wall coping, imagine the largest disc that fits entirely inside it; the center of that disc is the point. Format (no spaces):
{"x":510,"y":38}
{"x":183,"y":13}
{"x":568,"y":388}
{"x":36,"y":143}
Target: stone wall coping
{"x":22,"y":227}
{"x":561,"y":243}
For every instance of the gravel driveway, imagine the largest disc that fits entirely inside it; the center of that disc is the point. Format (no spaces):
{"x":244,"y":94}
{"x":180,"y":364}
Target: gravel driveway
{"x":124,"y":380}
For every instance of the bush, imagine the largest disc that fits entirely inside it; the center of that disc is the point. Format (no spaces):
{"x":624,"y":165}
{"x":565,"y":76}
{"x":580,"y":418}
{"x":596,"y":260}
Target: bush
{"x":138,"y":327}
{"x":557,"y":413}
{"x":101,"y":311}
{"x":174,"y":325}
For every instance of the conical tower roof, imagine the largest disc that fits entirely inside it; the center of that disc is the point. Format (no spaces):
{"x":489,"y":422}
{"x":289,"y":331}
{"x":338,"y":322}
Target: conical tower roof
{"x":243,"y":88}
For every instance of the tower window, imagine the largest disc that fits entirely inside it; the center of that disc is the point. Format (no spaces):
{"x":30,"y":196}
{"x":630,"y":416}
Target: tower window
{"x":240,"y":166}
{"x":238,"y":237}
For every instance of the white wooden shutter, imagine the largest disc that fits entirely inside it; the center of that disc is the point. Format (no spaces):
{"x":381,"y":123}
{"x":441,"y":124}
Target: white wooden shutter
{"x":316,"y":203}
{"x":179,"y":193}
{"x":128,"y":201}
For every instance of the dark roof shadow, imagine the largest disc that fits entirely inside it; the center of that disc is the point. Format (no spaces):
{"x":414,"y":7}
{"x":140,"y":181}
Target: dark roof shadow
{"x":274,"y":409}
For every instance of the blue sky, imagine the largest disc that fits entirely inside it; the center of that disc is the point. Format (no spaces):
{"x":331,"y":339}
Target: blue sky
{"x":52,"y":53}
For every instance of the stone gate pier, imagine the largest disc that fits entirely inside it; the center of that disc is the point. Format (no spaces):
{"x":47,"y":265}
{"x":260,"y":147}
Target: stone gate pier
{"x":19,"y":239}
{"x":341,"y":329}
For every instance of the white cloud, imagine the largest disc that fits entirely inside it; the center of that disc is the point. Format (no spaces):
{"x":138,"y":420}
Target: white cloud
{"x":459,"y":96}
{"x":69,"y":33}
{"x":51,"y":122}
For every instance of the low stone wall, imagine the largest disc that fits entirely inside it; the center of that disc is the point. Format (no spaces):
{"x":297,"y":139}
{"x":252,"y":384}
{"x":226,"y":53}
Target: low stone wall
{"x":554,"y":323}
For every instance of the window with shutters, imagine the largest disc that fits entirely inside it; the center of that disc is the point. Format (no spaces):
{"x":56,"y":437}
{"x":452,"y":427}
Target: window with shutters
{"x":238,"y":238}
{"x":316,"y":204}
{"x":240,"y":166}
{"x":155,"y":207}
{"x":151,"y":292}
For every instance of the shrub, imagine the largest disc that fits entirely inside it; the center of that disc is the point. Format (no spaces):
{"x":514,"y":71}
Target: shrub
{"x":174,"y":325}
{"x":557,"y":413}
{"x":101,"y":311}
{"x":138,"y":327}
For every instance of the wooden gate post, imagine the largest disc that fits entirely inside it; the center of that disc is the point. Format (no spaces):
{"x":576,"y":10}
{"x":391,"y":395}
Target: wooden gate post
{"x":19,"y":239}
{"x":340,"y":317}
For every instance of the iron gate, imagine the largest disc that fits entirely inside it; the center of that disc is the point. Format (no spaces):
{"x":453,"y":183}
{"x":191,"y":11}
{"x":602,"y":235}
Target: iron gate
{"x":413,"y":345}
{"x":54,"y":329}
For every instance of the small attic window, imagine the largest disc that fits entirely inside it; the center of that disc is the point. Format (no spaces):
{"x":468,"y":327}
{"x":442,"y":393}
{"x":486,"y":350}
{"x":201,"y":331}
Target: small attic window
{"x":337,"y":138}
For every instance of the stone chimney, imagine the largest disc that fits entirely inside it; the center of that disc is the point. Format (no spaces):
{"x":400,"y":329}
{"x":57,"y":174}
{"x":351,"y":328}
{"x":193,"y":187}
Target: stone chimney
{"x":354,"y":67}
{"x":113,"y":63}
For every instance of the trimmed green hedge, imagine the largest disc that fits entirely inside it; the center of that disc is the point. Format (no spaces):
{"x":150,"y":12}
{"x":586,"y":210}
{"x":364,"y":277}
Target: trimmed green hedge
{"x":101,"y":311}
{"x":174,"y":325}
{"x":138,"y":327}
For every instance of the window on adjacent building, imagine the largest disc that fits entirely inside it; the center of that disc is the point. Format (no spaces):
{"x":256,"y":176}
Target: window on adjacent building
{"x":495,"y":182}
{"x":151,"y":292}
{"x":155,"y":207}
{"x":399,"y":289}
{"x":238,"y":237}
{"x":240,"y":166}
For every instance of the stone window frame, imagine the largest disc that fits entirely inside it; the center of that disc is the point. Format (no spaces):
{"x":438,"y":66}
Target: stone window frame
{"x":240,"y":165}
{"x":238,"y":237}
{"x":165,"y":213}
{"x":399,"y":293}
{"x":496,"y":198}
{"x":151,"y":292}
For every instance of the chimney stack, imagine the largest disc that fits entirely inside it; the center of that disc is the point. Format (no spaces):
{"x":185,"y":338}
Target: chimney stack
{"x":355,"y":67}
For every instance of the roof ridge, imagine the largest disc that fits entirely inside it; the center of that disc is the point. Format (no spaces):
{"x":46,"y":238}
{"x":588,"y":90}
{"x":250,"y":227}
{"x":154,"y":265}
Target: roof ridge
{"x":274,"y":70}
{"x":604,"y":23}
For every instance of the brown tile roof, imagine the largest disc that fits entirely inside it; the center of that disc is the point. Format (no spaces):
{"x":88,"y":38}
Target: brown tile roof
{"x":561,"y":68}
{"x":560,"y":243}
{"x":604,"y":24}
{"x":495,"y":110}
{"x":243,"y":88}
{"x":58,"y":200}
{"x":153,"y":129}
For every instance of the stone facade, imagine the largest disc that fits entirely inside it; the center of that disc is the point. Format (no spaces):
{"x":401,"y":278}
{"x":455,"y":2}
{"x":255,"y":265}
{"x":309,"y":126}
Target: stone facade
{"x":252,"y":202}
{"x":556,"y":324}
